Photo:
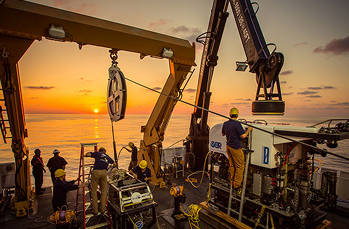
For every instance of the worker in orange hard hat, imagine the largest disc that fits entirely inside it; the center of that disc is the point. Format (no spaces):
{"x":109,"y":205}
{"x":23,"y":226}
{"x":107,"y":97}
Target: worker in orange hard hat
{"x":234,"y":133}
{"x":141,"y":171}
{"x":133,"y":150}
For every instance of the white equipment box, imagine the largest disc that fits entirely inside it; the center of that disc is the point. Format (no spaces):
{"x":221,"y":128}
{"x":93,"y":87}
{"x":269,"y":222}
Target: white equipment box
{"x":264,"y":145}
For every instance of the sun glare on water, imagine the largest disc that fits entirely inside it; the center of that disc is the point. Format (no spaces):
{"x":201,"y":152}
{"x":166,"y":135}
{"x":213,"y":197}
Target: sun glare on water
{"x":96,"y":111}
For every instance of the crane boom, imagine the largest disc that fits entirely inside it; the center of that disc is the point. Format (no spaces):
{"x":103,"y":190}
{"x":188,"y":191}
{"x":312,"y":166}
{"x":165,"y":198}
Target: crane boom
{"x":265,"y":65}
{"x":250,"y":33}
{"x":154,"y":130}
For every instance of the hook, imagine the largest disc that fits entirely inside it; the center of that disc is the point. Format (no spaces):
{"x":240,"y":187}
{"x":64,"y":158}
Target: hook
{"x":255,"y":3}
{"x":114,"y":56}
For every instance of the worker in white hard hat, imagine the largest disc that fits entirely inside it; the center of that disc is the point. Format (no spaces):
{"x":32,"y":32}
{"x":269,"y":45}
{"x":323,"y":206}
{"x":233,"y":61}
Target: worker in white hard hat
{"x":56,"y":162}
{"x":134,"y":151}
{"x":141,"y":171}
{"x":234,"y":133}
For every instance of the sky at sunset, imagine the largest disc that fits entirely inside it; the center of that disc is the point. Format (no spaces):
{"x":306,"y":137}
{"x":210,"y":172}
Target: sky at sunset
{"x":313,"y":35}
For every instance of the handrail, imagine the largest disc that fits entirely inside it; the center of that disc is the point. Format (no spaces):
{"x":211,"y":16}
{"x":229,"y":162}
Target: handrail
{"x":329,"y":121}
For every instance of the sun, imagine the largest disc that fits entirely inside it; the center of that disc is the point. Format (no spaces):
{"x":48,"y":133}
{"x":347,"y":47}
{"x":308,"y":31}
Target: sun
{"x":96,"y":111}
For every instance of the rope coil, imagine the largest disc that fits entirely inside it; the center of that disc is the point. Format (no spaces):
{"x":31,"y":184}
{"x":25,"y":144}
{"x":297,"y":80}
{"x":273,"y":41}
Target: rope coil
{"x":193,"y":215}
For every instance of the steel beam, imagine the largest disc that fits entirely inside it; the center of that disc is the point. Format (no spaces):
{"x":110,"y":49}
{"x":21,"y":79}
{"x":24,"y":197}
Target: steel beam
{"x":31,"y":20}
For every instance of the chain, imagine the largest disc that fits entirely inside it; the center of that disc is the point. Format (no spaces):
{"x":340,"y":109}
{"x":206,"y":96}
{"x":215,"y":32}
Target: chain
{"x":114,"y":56}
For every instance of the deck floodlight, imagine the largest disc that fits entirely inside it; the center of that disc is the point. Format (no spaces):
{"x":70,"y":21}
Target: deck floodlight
{"x":56,"y":32}
{"x":167,"y":53}
{"x":241,"y":66}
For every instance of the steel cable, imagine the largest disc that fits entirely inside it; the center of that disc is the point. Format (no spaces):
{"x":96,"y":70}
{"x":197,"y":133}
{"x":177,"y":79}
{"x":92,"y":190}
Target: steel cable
{"x":321,"y":151}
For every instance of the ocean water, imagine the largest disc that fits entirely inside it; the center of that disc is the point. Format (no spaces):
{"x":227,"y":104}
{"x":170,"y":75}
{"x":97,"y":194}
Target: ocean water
{"x":66,"y":131}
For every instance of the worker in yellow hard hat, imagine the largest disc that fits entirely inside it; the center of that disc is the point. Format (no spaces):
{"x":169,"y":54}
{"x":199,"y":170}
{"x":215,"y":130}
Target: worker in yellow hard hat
{"x":60,"y":189}
{"x":234,"y":133}
{"x":133,"y":150}
{"x":141,"y":171}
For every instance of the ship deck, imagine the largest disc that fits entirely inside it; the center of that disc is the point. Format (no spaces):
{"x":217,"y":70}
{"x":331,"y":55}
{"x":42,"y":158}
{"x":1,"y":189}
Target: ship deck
{"x":42,"y":208}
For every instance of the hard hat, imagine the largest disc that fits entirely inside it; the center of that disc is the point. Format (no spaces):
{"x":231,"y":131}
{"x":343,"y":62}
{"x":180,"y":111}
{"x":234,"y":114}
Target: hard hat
{"x":59,"y":173}
{"x":102,"y":150}
{"x":130,"y":144}
{"x":143,"y":164}
{"x":234,"y":111}
{"x":56,"y":151}
{"x":37,"y":151}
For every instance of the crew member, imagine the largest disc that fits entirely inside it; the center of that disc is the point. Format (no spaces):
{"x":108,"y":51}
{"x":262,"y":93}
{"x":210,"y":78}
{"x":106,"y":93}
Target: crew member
{"x":186,"y":144}
{"x":133,"y":150}
{"x":234,"y":132}
{"x":99,"y":177}
{"x":141,"y":172}
{"x":38,"y":171}
{"x":60,"y":189}
{"x":54,"y":163}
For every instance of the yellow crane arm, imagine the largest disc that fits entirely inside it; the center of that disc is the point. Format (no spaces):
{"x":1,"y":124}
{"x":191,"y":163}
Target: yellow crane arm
{"x":12,"y":49}
{"x":151,"y":145}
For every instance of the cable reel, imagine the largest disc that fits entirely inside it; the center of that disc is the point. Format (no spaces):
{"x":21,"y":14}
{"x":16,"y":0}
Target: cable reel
{"x":117,"y":93}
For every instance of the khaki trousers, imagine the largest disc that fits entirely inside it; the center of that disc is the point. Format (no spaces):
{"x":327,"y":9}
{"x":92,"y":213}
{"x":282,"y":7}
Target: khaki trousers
{"x":236,"y":165}
{"x":99,"y":178}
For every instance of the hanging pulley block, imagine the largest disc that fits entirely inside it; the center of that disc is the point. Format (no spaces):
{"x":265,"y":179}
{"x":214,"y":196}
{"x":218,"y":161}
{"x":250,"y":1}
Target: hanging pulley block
{"x":117,"y":94}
